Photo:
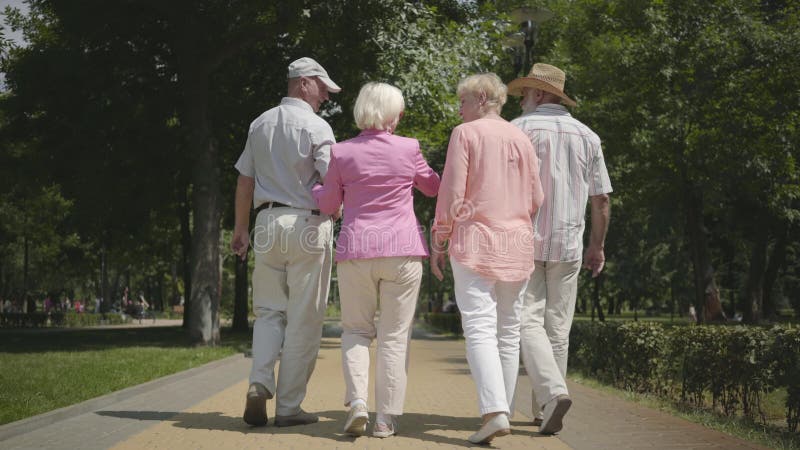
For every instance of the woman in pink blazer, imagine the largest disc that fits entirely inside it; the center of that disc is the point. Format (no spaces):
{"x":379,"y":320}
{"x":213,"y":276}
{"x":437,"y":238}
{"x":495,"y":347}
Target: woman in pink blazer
{"x":378,"y":253}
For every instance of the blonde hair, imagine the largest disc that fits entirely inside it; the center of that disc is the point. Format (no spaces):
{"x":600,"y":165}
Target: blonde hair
{"x":488,"y":84}
{"x":378,"y":106}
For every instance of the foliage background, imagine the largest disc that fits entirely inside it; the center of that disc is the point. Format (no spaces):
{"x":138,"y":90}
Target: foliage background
{"x":107,"y":134}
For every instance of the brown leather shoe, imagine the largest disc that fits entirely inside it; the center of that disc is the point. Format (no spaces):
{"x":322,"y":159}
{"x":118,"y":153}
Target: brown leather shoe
{"x":301,"y":418}
{"x":255,"y":410}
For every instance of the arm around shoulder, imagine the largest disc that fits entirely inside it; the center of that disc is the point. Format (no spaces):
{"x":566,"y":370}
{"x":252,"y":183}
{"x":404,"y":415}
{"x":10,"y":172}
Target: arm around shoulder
{"x":426,"y":179}
{"x":322,"y":139}
{"x":329,"y":196}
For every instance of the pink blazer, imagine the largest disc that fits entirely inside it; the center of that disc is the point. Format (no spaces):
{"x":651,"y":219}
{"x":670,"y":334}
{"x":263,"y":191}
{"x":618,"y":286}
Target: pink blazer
{"x":373,"y":175}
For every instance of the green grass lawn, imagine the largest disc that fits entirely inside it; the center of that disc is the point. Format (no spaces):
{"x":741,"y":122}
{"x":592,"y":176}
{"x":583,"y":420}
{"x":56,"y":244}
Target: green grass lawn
{"x":42,"y":370}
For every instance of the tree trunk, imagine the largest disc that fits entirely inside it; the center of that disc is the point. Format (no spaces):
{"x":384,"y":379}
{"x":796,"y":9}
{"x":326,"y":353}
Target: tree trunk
{"x":175,"y":295}
{"x":105,"y":300}
{"x":698,"y":243}
{"x":755,"y":280}
{"x":583,"y":304}
{"x":186,"y":250}
{"x":207,"y":205}
{"x":114,"y":291}
{"x":240,"y":304}
{"x":596,"y":299}
{"x":671,"y":301}
{"x":3,"y":284}
{"x":776,"y":261}
{"x":730,"y":280}
{"x":161,"y":292}
{"x":25,"y":267}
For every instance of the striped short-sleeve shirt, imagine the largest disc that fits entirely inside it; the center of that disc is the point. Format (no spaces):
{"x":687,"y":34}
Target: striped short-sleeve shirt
{"x":571,"y":168}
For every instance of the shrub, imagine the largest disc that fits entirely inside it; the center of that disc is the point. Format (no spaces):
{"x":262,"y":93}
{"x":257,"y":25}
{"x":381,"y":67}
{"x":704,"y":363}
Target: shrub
{"x":594,"y":359}
{"x":786,"y":352}
{"x":734,"y":366}
{"x":640,"y":353}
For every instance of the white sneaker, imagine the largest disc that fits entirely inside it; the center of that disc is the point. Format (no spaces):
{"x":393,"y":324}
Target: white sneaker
{"x":496,"y":426}
{"x":384,"y":430}
{"x":357,"y":419}
{"x":554,"y":412}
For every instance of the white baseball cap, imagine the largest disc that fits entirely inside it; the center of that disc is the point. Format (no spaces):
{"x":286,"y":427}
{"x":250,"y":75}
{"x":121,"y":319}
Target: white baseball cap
{"x":307,"y":67}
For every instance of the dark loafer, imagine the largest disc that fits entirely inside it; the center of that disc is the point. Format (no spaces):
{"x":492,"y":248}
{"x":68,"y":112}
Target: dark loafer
{"x":301,"y":418}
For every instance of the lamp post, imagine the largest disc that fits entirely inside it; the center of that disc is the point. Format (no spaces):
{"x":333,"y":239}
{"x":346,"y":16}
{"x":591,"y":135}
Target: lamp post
{"x":529,"y":20}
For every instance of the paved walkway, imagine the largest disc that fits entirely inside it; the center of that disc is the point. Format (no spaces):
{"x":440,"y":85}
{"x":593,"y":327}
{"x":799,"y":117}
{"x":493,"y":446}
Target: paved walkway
{"x":202,"y":409}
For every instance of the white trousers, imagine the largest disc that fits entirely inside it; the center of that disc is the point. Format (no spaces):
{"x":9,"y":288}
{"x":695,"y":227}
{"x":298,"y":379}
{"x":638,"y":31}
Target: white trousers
{"x":546,"y":320}
{"x":291,"y":279}
{"x":363,"y":283}
{"x":490,"y":315}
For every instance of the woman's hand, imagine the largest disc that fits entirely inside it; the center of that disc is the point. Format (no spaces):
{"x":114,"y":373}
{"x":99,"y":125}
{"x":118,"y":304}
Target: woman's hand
{"x":438,"y":261}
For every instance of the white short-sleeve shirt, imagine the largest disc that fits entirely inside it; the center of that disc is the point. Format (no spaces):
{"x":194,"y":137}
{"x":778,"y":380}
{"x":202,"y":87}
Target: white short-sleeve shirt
{"x":287,"y":152}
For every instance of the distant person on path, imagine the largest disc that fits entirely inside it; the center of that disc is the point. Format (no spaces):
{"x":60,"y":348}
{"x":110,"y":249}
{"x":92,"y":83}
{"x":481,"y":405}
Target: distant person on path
{"x":379,"y":252}
{"x":143,"y":302}
{"x":286,"y":154}
{"x":490,"y":190}
{"x":572,"y":170}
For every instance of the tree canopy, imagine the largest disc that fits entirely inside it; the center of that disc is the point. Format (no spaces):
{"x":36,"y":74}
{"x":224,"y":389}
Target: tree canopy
{"x":122,"y":120}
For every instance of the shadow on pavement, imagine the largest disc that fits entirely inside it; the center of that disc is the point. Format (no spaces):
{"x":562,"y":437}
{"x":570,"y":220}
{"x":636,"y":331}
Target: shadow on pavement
{"x":139,"y":415}
{"x":430,"y":428}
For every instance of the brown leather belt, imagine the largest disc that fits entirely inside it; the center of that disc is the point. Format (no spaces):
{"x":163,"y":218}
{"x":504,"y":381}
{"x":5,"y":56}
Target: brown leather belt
{"x":314,"y":212}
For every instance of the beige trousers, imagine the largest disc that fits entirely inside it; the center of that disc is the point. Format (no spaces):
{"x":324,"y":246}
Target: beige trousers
{"x":546,"y":320}
{"x":291,"y":279}
{"x":363,"y":283}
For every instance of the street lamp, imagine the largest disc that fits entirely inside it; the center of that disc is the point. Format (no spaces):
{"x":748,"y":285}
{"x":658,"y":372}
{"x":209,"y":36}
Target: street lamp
{"x":529,"y":20}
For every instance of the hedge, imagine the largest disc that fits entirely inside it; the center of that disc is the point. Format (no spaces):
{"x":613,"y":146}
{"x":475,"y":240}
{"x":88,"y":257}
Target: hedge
{"x":732,"y":366}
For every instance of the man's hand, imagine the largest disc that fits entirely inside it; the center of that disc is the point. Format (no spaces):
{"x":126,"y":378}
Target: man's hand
{"x":240,"y":242}
{"x":244,"y":201}
{"x":438,"y":261}
{"x":594,"y":259}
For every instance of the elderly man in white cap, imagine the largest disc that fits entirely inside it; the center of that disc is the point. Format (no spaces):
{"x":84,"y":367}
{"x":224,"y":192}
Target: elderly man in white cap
{"x":572,"y":171}
{"x":286,"y":154}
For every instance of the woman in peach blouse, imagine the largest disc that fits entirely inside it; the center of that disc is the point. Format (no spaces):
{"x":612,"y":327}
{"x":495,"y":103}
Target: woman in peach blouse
{"x":489,"y":191}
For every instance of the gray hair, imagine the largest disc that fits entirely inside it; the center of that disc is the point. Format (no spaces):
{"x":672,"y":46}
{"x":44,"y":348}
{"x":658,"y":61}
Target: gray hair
{"x":488,"y":84}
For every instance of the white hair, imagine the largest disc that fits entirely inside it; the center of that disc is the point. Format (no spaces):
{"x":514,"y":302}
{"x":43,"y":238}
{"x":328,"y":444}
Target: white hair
{"x":378,"y":107}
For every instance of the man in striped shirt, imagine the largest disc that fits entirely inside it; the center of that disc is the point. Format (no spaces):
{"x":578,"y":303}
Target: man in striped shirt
{"x":572,"y":172}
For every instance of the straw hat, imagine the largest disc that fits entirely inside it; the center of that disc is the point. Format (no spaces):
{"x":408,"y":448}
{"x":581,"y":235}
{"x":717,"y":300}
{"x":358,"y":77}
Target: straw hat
{"x":545,"y":77}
